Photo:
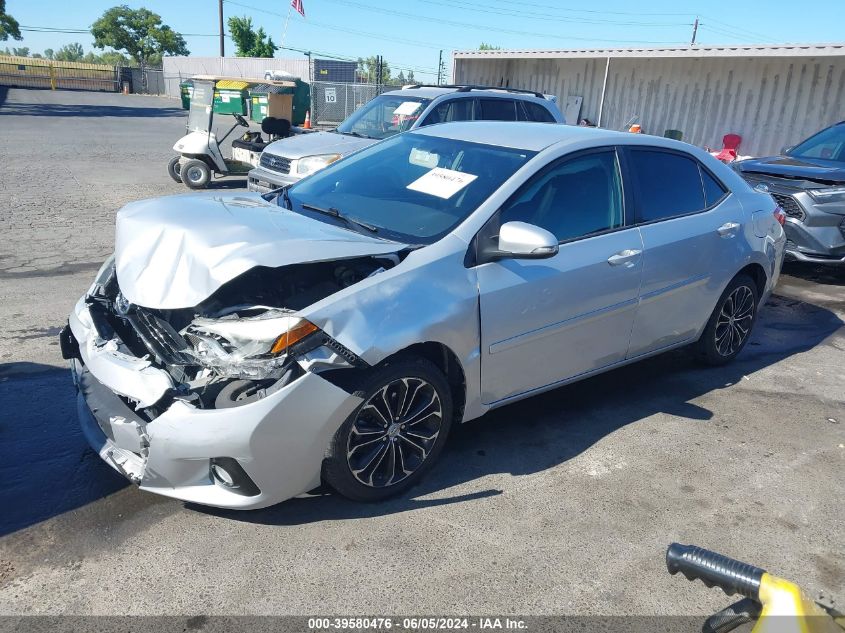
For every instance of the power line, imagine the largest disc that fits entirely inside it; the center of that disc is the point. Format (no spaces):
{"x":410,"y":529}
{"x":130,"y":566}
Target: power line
{"x":440,"y":21}
{"x":545,"y":17}
{"x":594,"y":11}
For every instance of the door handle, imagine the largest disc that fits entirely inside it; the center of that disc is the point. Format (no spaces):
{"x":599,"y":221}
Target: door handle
{"x":728,"y":229}
{"x":625,"y":257}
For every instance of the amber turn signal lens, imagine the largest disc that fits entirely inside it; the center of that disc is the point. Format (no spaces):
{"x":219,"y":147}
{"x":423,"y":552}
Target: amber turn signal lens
{"x":292,"y":336}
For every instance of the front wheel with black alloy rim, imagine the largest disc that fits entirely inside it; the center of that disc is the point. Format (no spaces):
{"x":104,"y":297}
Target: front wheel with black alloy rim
{"x":729,"y":327}
{"x":195,"y":174}
{"x":173,"y":168}
{"x":386,"y":445}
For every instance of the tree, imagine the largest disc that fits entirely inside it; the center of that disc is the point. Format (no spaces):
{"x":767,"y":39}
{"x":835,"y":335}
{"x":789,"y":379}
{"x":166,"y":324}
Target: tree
{"x":248,"y":42}
{"x":48,"y":53}
{"x":20,"y":52}
{"x":9,"y":26}
{"x":488,"y":47}
{"x":368,"y":69}
{"x":139,"y":32}
{"x":69,"y":53}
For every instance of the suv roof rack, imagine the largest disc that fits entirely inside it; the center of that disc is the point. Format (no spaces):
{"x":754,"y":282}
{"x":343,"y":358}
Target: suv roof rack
{"x":468,"y":88}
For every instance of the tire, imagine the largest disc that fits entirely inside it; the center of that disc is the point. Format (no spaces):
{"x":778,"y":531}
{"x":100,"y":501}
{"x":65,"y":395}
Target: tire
{"x":729,"y":327}
{"x":195,"y":174}
{"x":173,"y":168}
{"x":372,"y":458}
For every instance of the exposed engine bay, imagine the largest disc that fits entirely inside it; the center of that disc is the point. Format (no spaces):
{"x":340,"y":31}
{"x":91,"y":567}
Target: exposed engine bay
{"x":242,"y":342}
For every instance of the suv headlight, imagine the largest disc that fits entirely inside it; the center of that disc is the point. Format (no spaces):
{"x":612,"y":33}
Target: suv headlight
{"x":250,"y":347}
{"x":828,"y":194}
{"x":310,"y":164}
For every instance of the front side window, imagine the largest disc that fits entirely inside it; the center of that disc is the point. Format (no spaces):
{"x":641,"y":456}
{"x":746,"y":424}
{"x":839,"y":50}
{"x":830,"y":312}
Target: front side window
{"x":412,"y":188}
{"x":828,"y":144}
{"x":497,"y":110}
{"x":575,"y":198}
{"x":669,"y":184}
{"x":384,"y":116}
{"x":451,"y":110}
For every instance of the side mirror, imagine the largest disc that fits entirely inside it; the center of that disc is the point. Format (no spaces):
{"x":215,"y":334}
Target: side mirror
{"x":525,"y":241}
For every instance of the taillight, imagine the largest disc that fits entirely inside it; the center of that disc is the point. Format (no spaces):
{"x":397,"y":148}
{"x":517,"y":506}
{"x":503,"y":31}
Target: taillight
{"x":780,"y":216}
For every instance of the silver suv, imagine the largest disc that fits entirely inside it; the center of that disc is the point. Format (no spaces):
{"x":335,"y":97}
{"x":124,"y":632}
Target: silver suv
{"x":286,"y":161}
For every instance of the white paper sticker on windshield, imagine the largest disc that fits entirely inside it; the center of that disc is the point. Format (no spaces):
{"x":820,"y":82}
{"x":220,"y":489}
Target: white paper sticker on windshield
{"x":441,"y":182}
{"x":407,"y":107}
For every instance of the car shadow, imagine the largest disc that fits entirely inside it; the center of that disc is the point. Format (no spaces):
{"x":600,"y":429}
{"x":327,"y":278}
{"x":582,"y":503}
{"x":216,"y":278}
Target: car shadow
{"x":46,"y":465}
{"x":81,"y":110}
{"x":546,"y":430}
{"x":825,"y":275}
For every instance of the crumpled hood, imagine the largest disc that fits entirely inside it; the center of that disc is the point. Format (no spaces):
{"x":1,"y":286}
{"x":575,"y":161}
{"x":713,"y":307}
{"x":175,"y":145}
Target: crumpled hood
{"x":315,"y":143}
{"x":791,"y":167}
{"x":175,"y":251}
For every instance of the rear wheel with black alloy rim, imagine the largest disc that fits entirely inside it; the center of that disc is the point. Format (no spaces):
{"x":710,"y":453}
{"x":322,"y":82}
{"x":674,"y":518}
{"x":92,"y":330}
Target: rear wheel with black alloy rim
{"x":730,"y":325}
{"x":195,"y":173}
{"x":390,"y":441}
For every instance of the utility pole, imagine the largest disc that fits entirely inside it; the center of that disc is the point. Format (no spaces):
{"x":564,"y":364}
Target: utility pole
{"x":694,"y":31}
{"x":440,"y":68}
{"x":222,"y":42}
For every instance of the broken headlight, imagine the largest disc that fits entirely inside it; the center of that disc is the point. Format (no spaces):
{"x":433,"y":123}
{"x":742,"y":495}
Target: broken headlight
{"x":248,"y":345}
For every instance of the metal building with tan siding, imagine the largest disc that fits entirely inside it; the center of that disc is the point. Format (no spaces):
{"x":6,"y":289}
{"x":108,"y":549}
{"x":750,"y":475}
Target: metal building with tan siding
{"x":772,"y":96}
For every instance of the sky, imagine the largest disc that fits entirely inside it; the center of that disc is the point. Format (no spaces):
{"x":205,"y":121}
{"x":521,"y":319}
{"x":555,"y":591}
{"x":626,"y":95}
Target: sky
{"x":409,"y":34}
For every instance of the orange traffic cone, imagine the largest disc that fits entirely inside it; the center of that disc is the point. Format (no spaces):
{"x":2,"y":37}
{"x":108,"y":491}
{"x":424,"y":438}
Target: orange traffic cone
{"x":307,"y":124}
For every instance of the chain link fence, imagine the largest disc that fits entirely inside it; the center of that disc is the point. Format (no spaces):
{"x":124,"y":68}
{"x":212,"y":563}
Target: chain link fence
{"x":333,"y":101}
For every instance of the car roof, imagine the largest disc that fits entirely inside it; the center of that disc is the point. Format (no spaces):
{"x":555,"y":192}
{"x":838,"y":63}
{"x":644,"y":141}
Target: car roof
{"x":520,"y":135}
{"x":432,"y":92}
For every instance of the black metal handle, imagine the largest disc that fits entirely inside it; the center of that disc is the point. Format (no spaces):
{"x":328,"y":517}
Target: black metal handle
{"x":714,"y":570}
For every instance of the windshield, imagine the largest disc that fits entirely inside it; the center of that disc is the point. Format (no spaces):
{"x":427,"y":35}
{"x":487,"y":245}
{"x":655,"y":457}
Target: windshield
{"x":199,"y":116}
{"x":412,"y":188}
{"x":828,"y":144}
{"x":384,"y":116}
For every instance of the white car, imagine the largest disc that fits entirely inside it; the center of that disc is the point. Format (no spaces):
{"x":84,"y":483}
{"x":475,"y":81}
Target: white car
{"x":239,"y":349}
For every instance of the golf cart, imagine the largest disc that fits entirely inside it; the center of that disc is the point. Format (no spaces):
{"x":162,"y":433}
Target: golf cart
{"x":200,"y":154}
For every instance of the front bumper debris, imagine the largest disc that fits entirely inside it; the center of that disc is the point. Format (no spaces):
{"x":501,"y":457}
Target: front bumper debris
{"x":277,"y":441}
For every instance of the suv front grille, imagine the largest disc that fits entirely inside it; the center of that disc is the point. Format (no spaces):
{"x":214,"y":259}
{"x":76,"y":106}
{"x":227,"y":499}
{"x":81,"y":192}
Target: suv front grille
{"x":790,"y":206}
{"x":275,"y":163}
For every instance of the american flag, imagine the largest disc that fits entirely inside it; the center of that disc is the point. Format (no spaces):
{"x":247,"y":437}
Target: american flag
{"x":297,"y":4}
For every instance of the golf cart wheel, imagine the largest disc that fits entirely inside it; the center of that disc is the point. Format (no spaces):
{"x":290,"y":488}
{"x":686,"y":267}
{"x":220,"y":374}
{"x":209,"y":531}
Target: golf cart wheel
{"x":195,"y":174}
{"x":388,"y":443}
{"x":729,"y":327}
{"x":173,"y":168}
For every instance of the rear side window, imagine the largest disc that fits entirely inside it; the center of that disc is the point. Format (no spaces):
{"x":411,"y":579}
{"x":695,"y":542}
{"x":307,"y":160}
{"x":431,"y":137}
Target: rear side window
{"x":713,"y":189}
{"x":497,"y":110}
{"x":530,"y":111}
{"x":668,"y":185}
{"x":451,"y":110}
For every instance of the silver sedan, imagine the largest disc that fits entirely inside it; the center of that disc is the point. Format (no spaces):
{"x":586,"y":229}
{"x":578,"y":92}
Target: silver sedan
{"x":239,"y":349}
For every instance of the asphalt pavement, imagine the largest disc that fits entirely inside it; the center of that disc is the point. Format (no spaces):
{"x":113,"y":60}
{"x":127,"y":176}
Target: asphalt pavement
{"x":561,"y":504}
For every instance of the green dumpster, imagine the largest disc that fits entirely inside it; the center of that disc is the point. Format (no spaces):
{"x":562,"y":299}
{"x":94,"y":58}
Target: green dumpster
{"x":301,"y":102}
{"x":259,"y":96}
{"x":231,"y":97}
{"x":186,"y":90}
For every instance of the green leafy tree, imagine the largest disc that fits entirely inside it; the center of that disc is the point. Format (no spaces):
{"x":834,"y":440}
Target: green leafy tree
{"x":20,"y":52}
{"x":9,"y":26}
{"x":69,"y":53}
{"x":248,"y":41}
{"x":48,"y":53}
{"x":140,"y":33}
{"x":488,"y":47}
{"x":368,"y":69}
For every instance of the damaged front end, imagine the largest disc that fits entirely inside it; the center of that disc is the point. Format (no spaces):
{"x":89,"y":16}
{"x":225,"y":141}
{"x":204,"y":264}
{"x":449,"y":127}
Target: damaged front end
{"x":158,"y":387}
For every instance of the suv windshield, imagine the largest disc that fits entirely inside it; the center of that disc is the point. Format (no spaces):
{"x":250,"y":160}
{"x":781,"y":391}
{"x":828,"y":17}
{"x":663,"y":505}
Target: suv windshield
{"x":413,"y":188}
{"x":828,"y":144}
{"x":384,"y":116}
